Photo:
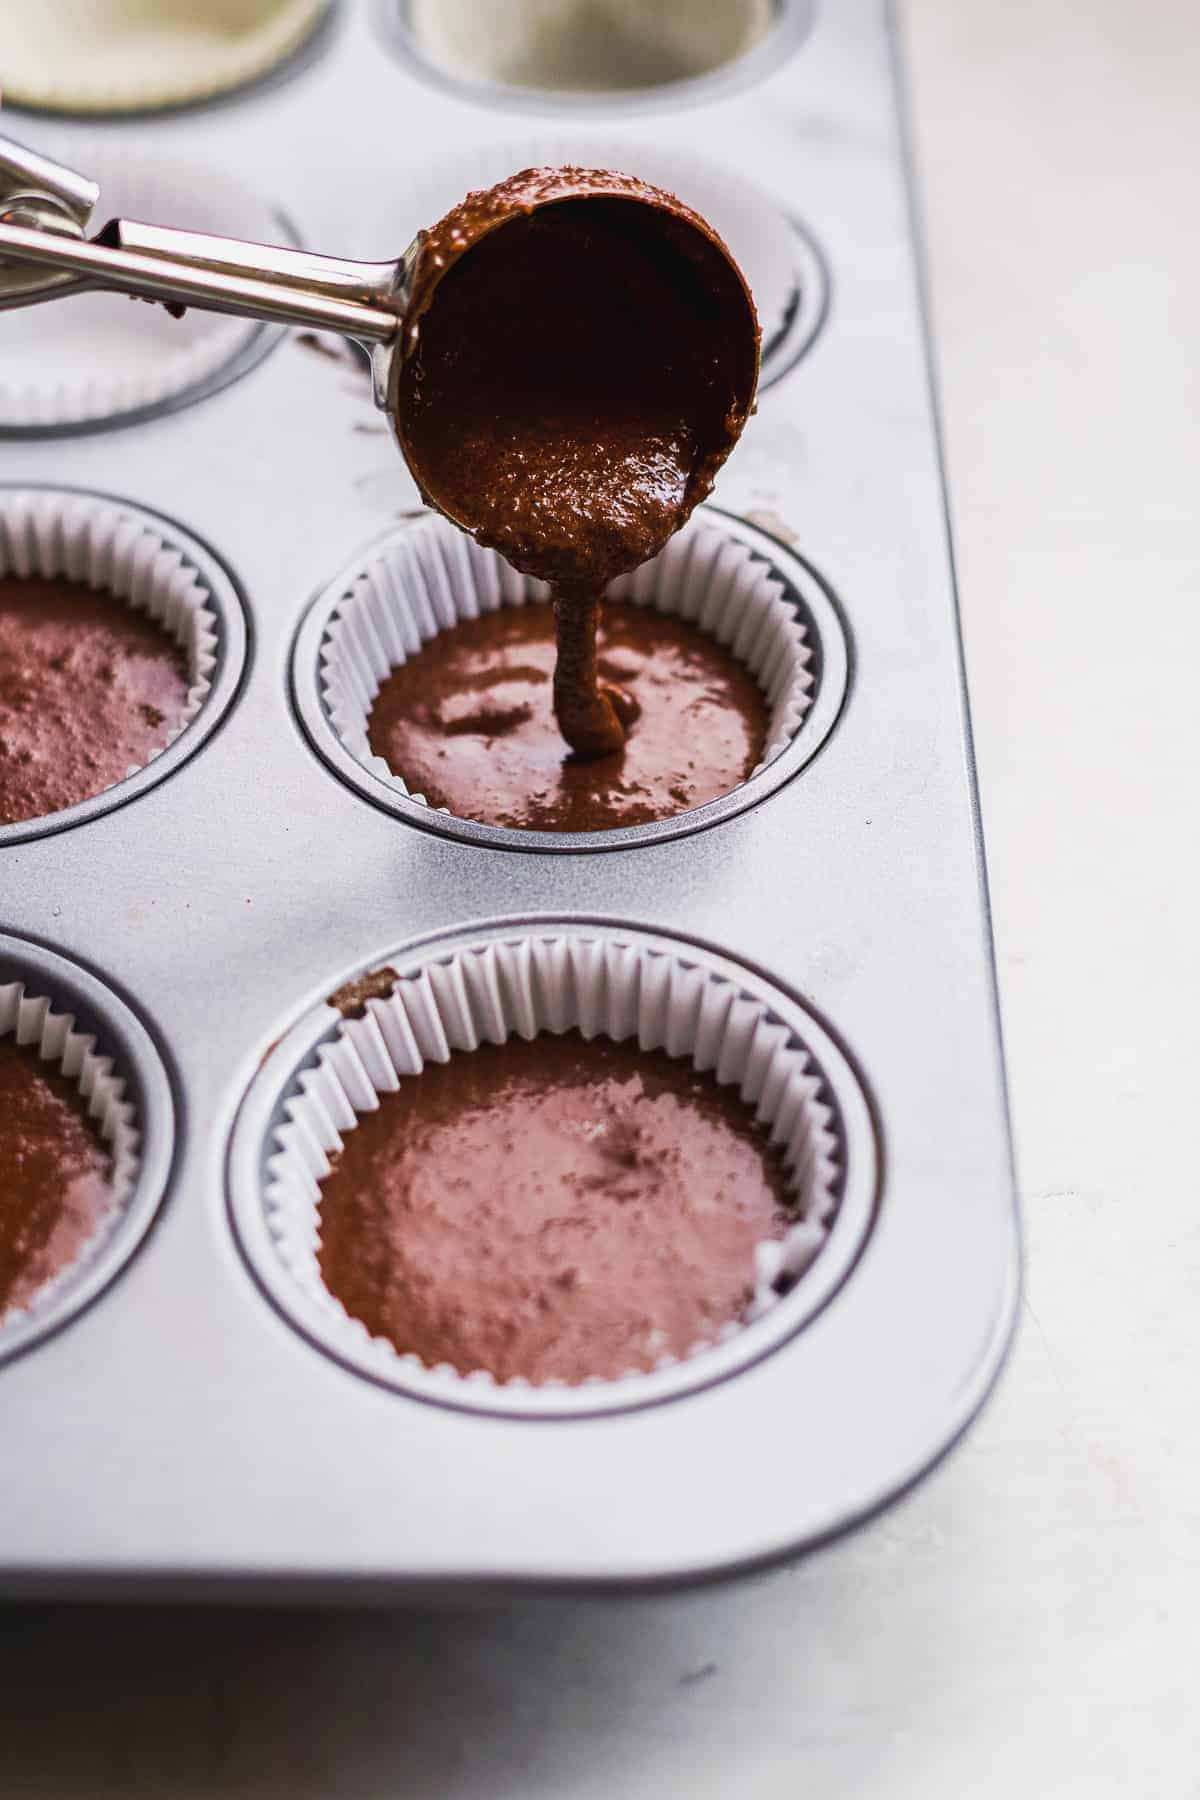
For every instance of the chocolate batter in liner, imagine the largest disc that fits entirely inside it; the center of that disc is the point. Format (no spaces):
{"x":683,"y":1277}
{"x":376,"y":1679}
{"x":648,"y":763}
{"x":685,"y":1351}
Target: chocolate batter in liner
{"x":544,"y":1301}
{"x":68,"y":1151}
{"x":107,"y":649}
{"x":551,"y":1210}
{"x":89,"y":689}
{"x":568,"y":390}
{"x":488,"y":743}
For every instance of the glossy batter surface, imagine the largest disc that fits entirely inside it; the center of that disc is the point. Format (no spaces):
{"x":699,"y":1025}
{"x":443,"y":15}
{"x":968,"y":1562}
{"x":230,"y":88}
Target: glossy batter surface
{"x":89,"y":689}
{"x":54,"y":1173}
{"x":551,"y":1209}
{"x":569,"y":388}
{"x":467,"y":722}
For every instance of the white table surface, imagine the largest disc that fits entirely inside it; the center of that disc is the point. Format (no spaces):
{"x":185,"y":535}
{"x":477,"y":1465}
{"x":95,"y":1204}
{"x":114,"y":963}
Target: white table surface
{"x":1027,"y":1621}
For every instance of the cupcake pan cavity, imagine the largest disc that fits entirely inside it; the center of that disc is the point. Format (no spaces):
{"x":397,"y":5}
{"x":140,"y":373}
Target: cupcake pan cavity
{"x":83,"y":1030}
{"x":622,"y":54}
{"x":157,"y":569}
{"x":108,"y":360}
{"x":558,"y":44}
{"x":752,"y":595}
{"x":614,"y":983}
{"x":231,"y":1433}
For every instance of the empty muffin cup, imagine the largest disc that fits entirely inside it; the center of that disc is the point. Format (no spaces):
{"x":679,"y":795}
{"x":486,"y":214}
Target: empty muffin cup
{"x":80,"y":689}
{"x":515,"y":989}
{"x":707,"y":586}
{"x":580,"y":52}
{"x":107,"y":359}
{"x":108,"y":56}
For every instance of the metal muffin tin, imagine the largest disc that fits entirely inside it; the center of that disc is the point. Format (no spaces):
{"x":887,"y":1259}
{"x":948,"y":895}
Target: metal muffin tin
{"x":178,"y":1433}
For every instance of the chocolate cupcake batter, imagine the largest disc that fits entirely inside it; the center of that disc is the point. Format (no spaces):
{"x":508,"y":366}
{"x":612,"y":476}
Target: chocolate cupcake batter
{"x":55,"y":1173}
{"x":88,"y":689}
{"x":569,"y":388}
{"x":467,"y":723}
{"x":554,"y":1209}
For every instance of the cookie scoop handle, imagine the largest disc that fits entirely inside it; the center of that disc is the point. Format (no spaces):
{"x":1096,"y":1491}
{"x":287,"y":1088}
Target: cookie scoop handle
{"x":214,"y":274}
{"x":39,"y":194}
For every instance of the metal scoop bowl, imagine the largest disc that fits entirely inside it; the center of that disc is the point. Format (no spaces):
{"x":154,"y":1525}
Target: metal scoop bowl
{"x":45,"y":254}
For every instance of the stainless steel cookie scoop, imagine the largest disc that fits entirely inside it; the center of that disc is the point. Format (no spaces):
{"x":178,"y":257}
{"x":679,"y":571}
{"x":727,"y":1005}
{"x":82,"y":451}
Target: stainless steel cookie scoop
{"x":45,"y":209}
{"x":566,"y":396}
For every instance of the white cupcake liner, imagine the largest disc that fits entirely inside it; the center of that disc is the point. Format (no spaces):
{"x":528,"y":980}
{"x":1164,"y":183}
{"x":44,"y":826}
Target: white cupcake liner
{"x":32,"y":1019}
{"x":519,"y":987}
{"x":100,"y":56}
{"x":745,"y":215}
{"x":432,"y":577}
{"x":92,"y":357}
{"x":101,"y":545}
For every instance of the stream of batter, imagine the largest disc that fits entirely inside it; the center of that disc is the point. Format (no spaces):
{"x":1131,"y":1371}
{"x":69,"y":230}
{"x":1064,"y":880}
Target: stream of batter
{"x":569,"y":389}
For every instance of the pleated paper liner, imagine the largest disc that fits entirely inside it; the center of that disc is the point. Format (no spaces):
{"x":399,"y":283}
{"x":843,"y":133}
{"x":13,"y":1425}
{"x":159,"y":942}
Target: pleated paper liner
{"x":601,"y":984}
{"x":91,"y":359}
{"x":102,"y":545}
{"x":431,"y":577}
{"x":108,"y":56}
{"x":34,"y":1020}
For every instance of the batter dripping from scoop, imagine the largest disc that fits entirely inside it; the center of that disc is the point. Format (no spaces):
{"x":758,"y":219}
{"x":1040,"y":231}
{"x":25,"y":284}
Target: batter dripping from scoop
{"x":568,"y":390}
